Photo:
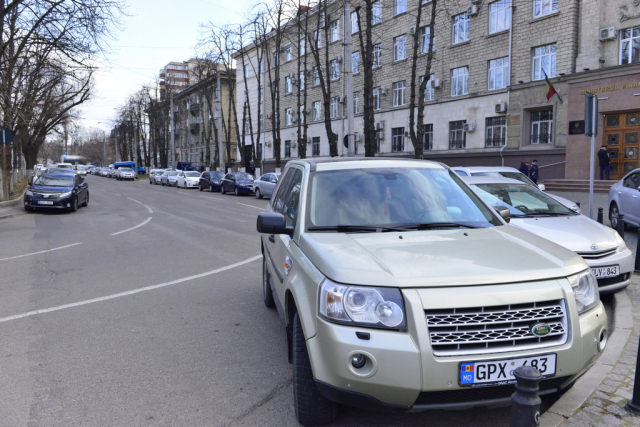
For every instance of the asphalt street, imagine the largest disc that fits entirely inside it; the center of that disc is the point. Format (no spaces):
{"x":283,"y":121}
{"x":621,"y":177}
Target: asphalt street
{"x":145,"y":309}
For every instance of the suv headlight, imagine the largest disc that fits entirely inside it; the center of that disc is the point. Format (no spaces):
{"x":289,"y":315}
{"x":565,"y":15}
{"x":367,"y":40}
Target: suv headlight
{"x":29,"y":193}
{"x":64,"y":195}
{"x":362,"y":305}
{"x":585,"y":290}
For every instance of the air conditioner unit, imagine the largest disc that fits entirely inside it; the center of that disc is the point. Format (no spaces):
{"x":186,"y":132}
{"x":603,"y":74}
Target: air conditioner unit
{"x":294,"y":120}
{"x":268,"y":116}
{"x":268,"y":143}
{"x":379,"y":126}
{"x":607,"y":34}
{"x":339,"y":58}
{"x":472,"y":11}
{"x":383,"y":90}
{"x":357,"y":137}
{"x":412,"y":30}
{"x":294,"y":81}
{"x":380,"y":135}
{"x":436,"y":84}
{"x":469,"y":127}
{"x":341,"y":100}
{"x":293,"y":145}
{"x":407,"y":134}
{"x":501,"y":107}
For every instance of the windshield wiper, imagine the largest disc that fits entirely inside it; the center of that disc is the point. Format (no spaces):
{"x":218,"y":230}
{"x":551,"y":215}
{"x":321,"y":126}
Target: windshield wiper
{"x":541,"y":214}
{"x":354,"y":228}
{"x":429,"y":225}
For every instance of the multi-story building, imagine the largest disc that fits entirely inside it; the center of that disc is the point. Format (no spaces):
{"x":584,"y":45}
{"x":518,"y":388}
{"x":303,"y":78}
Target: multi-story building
{"x":201,"y":111}
{"x":177,"y":76}
{"x":486,"y":98}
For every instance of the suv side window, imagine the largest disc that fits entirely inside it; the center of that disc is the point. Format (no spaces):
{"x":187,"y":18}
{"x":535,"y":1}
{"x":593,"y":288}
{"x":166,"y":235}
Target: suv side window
{"x":277,"y":202}
{"x":293,"y":199}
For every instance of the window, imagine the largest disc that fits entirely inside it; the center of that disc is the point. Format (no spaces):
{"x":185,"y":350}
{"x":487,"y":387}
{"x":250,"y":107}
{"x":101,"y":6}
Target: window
{"x":630,"y":45}
{"x":301,"y":81}
{"x":397,"y":140}
{"x":459,"y":81}
{"x":317,"y":111}
{"x":302,"y":46}
{"x":355,"y":62}
{"x":287,"y":148}
{"x":261,"y":89}
{"x":317,"y":38}
{"x":496,"y":130}
{"x":276,"y":58}
{"x":247,"y":127}
{"x":246,"y":97}
{"x":301,"y":114}
{"x":288,"y":117}
{"x":457,"y":135}
{"x":398,"y":93}
{"x":334,"y":34}
{"x":544,"y":61}
{"x":376,"y":59}
{"x":376,"y":15}
{"x":354,"y":22}
{"x":292,"y":198}
{"x":288,"y":85}
{"x":315,"y":146}
{"x":288,"y":53}
{"x":260,"y":123}
{"x":376,"y":98}
{"x":400,"y":6}
{"x":499,"y":16}
{"x":430,"y":93}
{"x":334,"y":107}
{"x":541,"y":127}
{"x":334,"y":69}
{"x":427,"y":137}
{"x":356,"y":102}
{"x":544,"y":7}
{"x":399,"y":48}
{"x":316,"y":76}
{"x":425,"y":34}
{"x":245,"y":68}
{"x":499,"y":73}
{"x":460,"y":28}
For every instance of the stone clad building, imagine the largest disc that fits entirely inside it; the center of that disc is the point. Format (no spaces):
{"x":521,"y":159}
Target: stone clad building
{"x":486,"y":98}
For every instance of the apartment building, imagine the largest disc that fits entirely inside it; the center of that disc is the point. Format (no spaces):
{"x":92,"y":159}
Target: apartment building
{"x":177,"y":76}
{"x":201,"y":111}
{"x":486,"y":97}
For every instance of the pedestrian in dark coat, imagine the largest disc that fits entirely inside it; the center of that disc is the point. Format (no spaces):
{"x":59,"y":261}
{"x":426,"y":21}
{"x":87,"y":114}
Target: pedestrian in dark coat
{"x":533,"y":172}
{"x":524,"y":167}
{"x":604,"y":159}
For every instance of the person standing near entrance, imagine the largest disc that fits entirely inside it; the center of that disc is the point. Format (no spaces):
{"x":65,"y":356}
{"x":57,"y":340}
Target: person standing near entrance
{"x":524,"y":167}
{"x":604,"y":159}
{"x":533,"y":172}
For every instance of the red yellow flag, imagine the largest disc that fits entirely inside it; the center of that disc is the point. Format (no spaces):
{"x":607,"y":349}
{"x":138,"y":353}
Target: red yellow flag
{"x":550,"y":89}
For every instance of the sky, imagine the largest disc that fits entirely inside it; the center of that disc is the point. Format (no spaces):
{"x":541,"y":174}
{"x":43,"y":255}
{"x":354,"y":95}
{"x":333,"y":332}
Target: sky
{"x":155,"y":32}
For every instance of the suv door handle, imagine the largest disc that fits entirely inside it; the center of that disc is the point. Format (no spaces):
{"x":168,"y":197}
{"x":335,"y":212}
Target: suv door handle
{"x":272,"y":238}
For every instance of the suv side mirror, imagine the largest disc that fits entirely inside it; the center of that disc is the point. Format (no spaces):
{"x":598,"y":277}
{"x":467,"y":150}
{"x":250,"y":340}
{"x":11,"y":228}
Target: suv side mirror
{"x":273,"y":223}
{"x":503,"y":212}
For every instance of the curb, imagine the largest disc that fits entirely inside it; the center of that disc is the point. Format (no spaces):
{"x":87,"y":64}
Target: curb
{"x":11,"y":215}
{"x":575,"y":397}
{"x":13,"y":202}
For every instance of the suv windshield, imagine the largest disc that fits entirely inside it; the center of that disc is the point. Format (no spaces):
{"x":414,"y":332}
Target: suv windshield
{"x":394,"y":197}
{"x":513,"y":175}
{"x":522,"y":200}
{"x":55,"y":180}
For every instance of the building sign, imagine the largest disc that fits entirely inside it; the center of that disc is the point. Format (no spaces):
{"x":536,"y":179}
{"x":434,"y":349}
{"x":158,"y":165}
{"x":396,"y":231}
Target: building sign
{"x":610,"y":88}
{"x":576,"y":127}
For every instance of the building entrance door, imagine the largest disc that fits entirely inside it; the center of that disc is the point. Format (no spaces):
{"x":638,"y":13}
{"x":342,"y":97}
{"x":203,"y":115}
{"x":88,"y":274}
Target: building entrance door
{"x":621,"y":138}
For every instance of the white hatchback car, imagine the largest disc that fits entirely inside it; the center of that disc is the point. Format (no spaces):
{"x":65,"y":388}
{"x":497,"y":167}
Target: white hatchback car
{"x":188,"y":179}
{"x":532,"y":210}
{"x":624,"y":198}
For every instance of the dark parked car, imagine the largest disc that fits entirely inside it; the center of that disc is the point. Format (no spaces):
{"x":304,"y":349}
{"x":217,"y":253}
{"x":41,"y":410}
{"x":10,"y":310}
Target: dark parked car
{"x":57,"y":191}
{"x":238,"y":182}
{"x":211,"y":181}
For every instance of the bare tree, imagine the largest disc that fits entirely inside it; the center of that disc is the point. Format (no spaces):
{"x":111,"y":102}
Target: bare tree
{"x":366,"y":49}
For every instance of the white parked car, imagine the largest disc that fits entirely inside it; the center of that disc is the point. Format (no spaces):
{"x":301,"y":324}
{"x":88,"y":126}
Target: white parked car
{"x":188,"y":179}
{"x":624,"y":198}
{"x":154,"y":176}
{"x":512,"y":173}
{"x":169,"y":178}
{"x":125,"y":173}
{"x":266,"y":184}
{"x":532,"y":210}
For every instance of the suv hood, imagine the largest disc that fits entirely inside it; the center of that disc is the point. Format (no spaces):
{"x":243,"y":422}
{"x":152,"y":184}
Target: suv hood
{"x":437,"y":258}
{"x":576,"y":232}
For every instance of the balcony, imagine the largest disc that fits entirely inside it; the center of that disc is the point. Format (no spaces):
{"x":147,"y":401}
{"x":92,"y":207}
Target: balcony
{"x":194,"y":109}
{"x":194,"y":128}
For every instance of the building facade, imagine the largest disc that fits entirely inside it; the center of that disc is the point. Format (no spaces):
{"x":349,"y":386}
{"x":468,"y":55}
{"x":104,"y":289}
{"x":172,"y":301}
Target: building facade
{"x":486,"y":99}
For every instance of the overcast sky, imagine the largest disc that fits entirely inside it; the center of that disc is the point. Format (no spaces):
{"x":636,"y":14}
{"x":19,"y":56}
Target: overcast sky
{"x":156,"y":32}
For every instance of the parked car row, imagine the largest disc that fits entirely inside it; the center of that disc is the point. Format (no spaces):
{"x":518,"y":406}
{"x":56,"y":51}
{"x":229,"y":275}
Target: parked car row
{"x":238,"y":183}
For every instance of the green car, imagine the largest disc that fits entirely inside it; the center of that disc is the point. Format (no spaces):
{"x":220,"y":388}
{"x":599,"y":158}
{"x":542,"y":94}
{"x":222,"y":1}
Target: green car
{"x":403,"y":290}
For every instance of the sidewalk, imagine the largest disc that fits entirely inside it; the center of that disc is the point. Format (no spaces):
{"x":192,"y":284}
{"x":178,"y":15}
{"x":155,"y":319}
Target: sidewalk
{"x":599,"y":396}
{"x":11,"y":211}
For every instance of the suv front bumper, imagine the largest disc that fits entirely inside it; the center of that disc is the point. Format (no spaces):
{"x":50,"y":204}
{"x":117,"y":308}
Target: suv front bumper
{"x":404,"y":374}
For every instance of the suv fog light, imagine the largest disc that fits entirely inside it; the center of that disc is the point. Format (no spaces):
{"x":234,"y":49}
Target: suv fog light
{"x":358,"y":361}
{"x":68,"y":205}
{"x":602,"y":339}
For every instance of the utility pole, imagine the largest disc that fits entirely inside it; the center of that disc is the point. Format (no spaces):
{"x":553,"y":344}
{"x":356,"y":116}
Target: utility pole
{"x":219,"y":119}
{"x":348,"y":74}
{"x":172,"y":155}
{"x":116,"y":142}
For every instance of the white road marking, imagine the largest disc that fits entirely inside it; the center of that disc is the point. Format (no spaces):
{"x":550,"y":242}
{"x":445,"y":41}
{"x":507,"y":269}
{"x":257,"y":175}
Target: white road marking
{"x":133,"y":228}
{"x":118,"y":194}
{"x":148,"y":208}
{"x":127,"y":293}
{"x":40,"y":252}
{"x":251,"y":206}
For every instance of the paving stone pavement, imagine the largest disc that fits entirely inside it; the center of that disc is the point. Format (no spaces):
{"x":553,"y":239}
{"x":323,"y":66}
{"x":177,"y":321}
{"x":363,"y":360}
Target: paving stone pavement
{"x":605,"y":406}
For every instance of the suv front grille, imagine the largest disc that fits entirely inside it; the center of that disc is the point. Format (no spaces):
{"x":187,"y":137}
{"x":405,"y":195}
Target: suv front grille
{"x":598,"y":254}
{"x":47,"y":195}
{"x":461,"y":331}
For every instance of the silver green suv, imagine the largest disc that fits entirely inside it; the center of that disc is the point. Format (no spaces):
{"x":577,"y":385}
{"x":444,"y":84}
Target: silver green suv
{"x":401,"y":289}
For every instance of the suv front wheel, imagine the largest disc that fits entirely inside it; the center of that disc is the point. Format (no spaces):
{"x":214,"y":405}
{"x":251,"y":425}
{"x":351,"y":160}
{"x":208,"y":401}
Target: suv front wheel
{"x":312,"y":408}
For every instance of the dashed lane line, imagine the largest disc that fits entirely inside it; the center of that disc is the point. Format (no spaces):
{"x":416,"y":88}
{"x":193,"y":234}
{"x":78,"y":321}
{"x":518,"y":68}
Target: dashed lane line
{"x":133,"y":228}
{"x":251,"y":206}
{"x":40,"y":252}
{"x":148,"y":208}
{"x":127,"y":293}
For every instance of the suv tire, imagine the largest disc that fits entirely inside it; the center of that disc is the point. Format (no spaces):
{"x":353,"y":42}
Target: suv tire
{"x":312,"y":408}
{"x":267,"y":295}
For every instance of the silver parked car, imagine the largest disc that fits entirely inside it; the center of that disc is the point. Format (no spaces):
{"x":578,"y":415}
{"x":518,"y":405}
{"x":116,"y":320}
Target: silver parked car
{"x":266,"y":184}
{"x":125,"y":173}
{"x":169,"y":178}
{"x":624,"y":198}
{"x":154,"y":176}
{"x":534,"y":211}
